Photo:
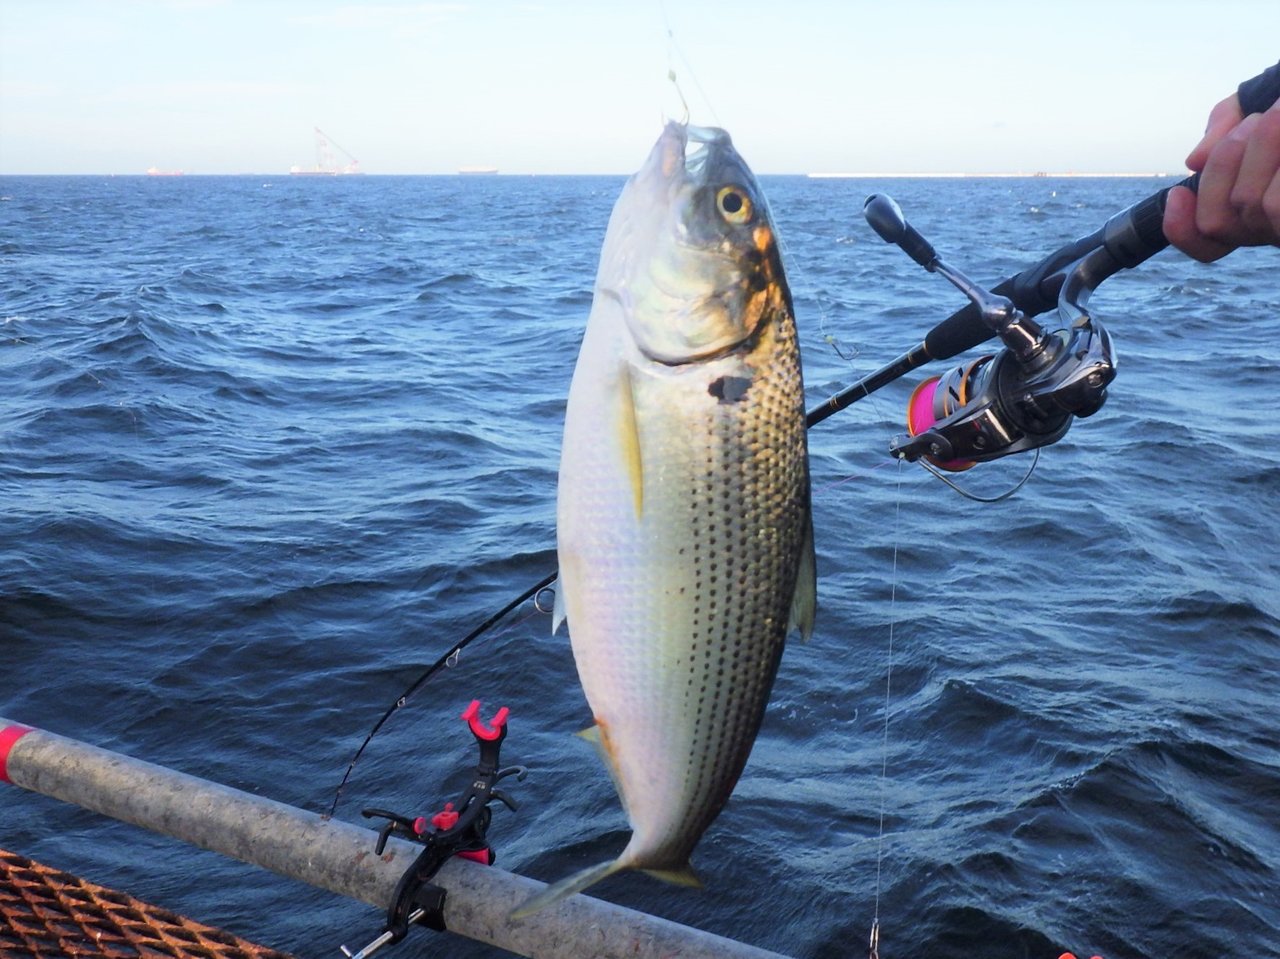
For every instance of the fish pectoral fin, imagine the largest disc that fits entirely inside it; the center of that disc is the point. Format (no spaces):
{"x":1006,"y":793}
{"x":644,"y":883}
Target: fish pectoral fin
{"x":804,"y":602}
{"x":629,"y":439}
{"x":684,"y":876}
{"x":567,"y":887}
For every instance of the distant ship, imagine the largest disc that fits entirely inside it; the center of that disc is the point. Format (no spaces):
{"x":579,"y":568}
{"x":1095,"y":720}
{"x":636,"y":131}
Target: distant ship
{"x":156,"y":171}
{"x":325,"y":163}
{"x":478,"y":170}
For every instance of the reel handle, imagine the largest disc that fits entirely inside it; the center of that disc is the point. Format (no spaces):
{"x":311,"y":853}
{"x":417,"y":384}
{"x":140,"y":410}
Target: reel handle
{"x":998,"y":313}
{"x":886,"y":218}
{"x":1129,"y":238}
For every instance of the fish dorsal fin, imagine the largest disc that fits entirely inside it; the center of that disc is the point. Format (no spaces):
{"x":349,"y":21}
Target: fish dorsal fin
{"x":629,"y":438}
{"x":804,"y":602}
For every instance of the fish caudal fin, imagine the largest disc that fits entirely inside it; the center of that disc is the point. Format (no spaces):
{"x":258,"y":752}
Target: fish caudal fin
{"x":567,"y":887}
{"x":683,"y":876}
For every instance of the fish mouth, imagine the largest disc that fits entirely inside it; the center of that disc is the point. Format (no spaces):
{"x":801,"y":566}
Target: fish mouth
{"x":684,"y":151}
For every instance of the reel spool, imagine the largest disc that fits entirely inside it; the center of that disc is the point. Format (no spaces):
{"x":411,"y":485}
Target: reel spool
{"x":938,"y":398}
{"x":985,"y":409}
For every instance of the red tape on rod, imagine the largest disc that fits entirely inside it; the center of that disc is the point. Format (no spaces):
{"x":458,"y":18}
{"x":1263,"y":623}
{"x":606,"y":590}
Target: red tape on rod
{"x":8,"y":736}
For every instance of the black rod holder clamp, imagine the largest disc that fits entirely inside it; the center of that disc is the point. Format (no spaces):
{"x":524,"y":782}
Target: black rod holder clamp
{"x":457,"y":830}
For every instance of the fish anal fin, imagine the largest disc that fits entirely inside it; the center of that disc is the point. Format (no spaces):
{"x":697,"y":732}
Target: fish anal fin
{"x":804,"y":602}
{"x":629,"y":439}
{"x":567,"y":887}
{"x":598,"y":736}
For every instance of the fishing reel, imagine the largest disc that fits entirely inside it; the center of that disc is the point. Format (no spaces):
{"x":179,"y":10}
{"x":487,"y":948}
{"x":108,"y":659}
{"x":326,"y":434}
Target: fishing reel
{"x":1019,"y":399}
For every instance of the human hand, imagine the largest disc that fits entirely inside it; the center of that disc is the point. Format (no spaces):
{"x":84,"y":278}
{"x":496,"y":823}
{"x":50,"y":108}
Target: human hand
{"x":1238,"y":203}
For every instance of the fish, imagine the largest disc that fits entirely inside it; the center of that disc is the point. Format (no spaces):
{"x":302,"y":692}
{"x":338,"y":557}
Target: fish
{"x":684,"y":534}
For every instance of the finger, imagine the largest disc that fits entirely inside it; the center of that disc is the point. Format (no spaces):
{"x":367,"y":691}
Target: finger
{"x":1216,"y":216}
{"x":1259,"y":166}
{"x":1222,"y":119}
{"x":1180,"y":228}
{"x":1271,"y":209}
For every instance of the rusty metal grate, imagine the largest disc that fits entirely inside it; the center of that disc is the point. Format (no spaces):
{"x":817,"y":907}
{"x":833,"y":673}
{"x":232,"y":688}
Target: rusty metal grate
{"x":49,"y":914}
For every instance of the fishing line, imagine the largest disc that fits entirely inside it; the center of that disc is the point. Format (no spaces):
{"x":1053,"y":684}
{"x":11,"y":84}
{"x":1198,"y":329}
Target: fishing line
{"x":673,"y":45}
{"x":874,"y":944}
{"x":847,"y":354}
{"x":448,"y":659}
{"x":671,"y":75}
{"x":853,"y":476}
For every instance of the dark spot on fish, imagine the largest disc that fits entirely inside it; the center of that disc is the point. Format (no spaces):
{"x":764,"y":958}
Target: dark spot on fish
{"x":729,"y":389}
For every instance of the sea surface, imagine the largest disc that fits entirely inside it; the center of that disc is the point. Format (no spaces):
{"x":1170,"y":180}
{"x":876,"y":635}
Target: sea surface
{"x":269,"y":446}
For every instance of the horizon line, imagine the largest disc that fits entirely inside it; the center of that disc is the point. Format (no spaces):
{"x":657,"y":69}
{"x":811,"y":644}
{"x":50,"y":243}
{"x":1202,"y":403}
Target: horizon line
{"x":1039,"y":174}
{"x":857,"y":175}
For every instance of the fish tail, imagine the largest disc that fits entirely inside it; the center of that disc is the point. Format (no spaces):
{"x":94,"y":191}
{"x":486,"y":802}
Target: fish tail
{"x":567,"y":887}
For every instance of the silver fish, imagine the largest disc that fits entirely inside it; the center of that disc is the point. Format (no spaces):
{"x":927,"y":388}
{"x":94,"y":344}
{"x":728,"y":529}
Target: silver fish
{"x":684,"y":534}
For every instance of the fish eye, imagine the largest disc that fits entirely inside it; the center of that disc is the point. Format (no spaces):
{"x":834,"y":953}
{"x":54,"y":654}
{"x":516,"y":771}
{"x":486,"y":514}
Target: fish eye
{"x":734,"y":204}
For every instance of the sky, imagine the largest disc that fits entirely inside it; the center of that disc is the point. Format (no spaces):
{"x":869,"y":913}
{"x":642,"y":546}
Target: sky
{"x":572,"y":86}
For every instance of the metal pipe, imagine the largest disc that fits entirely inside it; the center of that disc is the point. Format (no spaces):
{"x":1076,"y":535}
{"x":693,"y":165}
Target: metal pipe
{"x":339,"y":856}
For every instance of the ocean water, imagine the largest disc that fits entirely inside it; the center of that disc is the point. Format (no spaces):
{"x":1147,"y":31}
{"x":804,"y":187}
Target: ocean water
{"x":268,"y":446}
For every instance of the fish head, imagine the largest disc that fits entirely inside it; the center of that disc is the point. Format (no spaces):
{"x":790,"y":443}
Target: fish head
{"x":693,"y":258}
